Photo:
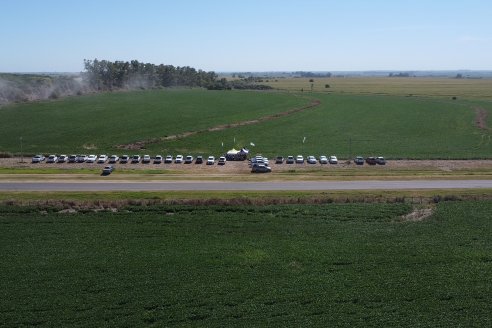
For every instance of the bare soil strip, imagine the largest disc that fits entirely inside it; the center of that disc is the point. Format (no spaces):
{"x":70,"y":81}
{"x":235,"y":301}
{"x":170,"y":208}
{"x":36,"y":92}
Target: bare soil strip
{"x":142,"y":144}
{"x":481,"y":118}
{"x":418,"y":214}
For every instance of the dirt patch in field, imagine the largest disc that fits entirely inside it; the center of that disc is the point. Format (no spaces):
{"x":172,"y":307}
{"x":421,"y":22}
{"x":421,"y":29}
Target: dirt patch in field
{"x":418,"y":214}
{"x":142,"y":144}
{"x":481,"y":118}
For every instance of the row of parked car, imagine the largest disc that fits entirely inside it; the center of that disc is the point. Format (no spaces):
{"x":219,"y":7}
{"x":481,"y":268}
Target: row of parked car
{"x":299,"y":159}
{"x":135,"y":159}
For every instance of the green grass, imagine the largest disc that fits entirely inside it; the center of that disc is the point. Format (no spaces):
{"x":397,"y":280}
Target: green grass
{"x":97,"y":123}
{"x":325,"y":265}
{"x":343,"y":124}
{"x":395,"y":127}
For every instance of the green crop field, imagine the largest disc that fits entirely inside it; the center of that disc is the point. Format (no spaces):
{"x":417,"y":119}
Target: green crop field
{"x":342,"y":124}
{"x":348,"y":265}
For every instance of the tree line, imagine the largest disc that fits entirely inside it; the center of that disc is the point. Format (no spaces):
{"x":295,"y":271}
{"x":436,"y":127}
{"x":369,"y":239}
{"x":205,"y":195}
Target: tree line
{"x":109,"y":75}
{"x":104,"y":75}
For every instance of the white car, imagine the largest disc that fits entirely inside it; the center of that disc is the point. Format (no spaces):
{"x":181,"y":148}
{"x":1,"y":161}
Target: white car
{"x":113,"y":159}
{"x":52,"y":159}
{"x":62,"y":158}
{"x":222,"y":160}
{"x":158,"y":159}
{"x":189,"y":159}
{"x":146,"y":159}
{"x":333,"y":160}
{"x":124,"y":159}
{"x":323,"y":159}
{"x":311,"y":159}
{"x":81,"y":158}
{"x":211,"y":160}
{"x":169,"y":159}
{"x":300,"y":159}
{"x":91,"y":159}
{"x":135,"y":159}
{"x":38,"y":159}
{"x":179,"y":159}
{"x":102,"y":159}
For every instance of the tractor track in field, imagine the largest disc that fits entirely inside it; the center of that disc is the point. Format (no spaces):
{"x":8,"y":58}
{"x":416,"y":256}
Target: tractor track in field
{"x":481,"y":118}
{"x":142,"y":144}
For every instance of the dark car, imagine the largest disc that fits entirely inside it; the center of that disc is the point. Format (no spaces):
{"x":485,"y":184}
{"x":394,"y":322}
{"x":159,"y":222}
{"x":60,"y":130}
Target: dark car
{"x":371,"y":160}
{"x":108,"y":169}
{"x":199,"y":159}
{"x":380,"y":160}
{"x":359,"y":160}
{"x":279,"y":160}
{"x":260,"y":168}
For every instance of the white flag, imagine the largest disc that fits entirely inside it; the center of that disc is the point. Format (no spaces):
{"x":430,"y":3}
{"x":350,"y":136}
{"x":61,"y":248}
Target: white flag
{"x":252,"y":144}
{"x":222,"y":144}
{"x":304,"y":140}
{"x":234,"y":139}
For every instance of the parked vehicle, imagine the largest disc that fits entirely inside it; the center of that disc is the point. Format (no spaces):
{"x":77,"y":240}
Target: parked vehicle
{"x":102,"y":159}
{"x":124,"y":159}
{"x":261,"y":168}
{"x":359,"y":160}
{"x":114,"y":158}
{"x":146,"y":159}
{"x":158,"y":159}
{"x":300,"y":159}
{"x":62,"y":158}
{"x":199,"y":159}
{"x":108,"y":169}
{"x":323,"y":159}
{"x":211,"y":160}
{"x":380,"y":160}
{"x":91,"y":159}
{"x":222,"y":160}
{"x":52,"y":159}
{"x":279,"y":160}
{"x":179,"y":159}
{"x":38,"y":159}
{"x":188,"y":159}
{"x":72,"y":158}
{"x":311,"y":160}
{"x":136,"y":159}
{"x":81,"y":158}
{"x":371,"y":160}
{"x":333,"y":160}
{"x":169,"y":159}
{"x":290,"y":160}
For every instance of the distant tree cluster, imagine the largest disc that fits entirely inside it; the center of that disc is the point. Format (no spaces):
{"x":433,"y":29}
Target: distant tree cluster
{"x":311,"y":74}
{"x":401,"y":74}
{"x":108,"y":75}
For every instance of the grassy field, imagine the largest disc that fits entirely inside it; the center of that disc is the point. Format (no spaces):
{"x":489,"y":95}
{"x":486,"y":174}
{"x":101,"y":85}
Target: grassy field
{"x":313,"y":265}
{"x":343,"y":124}
{"x":96,"y":123}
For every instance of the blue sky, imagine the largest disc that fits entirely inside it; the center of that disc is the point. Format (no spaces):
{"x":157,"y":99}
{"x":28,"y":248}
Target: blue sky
{"x":242,"y":35}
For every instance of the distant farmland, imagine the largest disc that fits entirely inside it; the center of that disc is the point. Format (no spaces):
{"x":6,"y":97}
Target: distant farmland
{"x":423,"y":87}
{"x":342,"y":123}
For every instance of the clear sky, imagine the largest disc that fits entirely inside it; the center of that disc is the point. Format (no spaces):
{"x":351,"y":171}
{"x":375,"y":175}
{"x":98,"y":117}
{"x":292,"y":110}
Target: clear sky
{"x":248,"y":35}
